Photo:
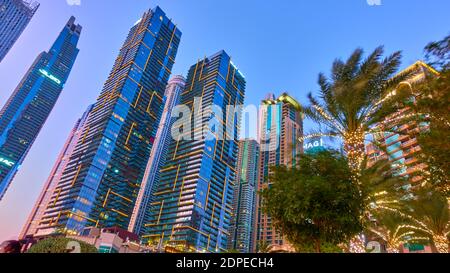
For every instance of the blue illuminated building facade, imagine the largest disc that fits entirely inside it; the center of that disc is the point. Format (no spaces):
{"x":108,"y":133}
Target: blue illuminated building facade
{"x":14,"y":18}
{"x":26,"y":111}
{"x":193,"y":202}
{"x":244,"y":201}
{"x":53,"y":179}
{"x":101,"y":180}
{"x":158,"y":156}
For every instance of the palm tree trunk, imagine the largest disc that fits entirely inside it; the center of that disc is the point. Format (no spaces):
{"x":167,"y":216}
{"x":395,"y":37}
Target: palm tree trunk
{"x":357,"y":245}
{"x":317,"y":245}
{"x":441,"y":243}
{"x":355,"y":148}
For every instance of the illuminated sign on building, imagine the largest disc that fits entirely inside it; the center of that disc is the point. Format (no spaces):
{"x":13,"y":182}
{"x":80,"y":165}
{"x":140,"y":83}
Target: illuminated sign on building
{"x":48,"y":75}
{"x":313,"y":144}
{"x":6,"y":162}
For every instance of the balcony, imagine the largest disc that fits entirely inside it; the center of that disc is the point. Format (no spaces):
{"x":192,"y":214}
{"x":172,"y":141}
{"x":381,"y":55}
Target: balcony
{"x":411,"y":161}
{"x":409,"y":143}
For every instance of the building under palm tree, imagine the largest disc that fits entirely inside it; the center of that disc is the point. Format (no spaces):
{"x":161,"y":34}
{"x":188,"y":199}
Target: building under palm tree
{"x":396,"y":140}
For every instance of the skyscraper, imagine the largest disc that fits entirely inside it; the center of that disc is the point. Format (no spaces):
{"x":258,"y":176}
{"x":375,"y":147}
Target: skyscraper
{"x":14,"y":18}
{"x":101,"y":180}
{"x":158,"y":155}
{"x":53,"y":180}
{"x":244,"y":201}
{"x":192,"y":205}
{"x":26,"y":111}
{"x":280,"y":126}
{"x":398,"y":138}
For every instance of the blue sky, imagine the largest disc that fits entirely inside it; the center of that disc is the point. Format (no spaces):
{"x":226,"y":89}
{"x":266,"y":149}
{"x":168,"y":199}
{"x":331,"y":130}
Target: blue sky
{"x":280,"y":46}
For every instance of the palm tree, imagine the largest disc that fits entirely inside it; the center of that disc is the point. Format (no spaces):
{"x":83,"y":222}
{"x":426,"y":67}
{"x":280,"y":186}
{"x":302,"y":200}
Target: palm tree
{"x":389,"y":227}
{"x":429,"y":214}
{"x":382,"y":189}
{"x":264,"y":247}
{"x":359,"y":94}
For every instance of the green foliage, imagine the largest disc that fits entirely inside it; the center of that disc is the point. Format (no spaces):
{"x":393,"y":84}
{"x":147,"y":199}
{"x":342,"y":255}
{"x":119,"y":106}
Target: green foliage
{"x":324,"y":248}
{"x":349,"y":100}
{"x":60,"y":245}
{"x":438,"y":54}
{"x":395,"y":231}
{"x":381,"y":187}
{"x":263,"y":247}
{"x":316,"y":202}
{"x":429,"y":213}
{"x":432,"y":107}
{"x":432,"y":209}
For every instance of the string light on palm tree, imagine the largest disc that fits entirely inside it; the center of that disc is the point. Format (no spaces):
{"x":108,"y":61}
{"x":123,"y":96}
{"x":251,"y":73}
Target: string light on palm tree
{"x":438,"y":229}
{"x":358,"y":244}
{"x":358,"y":95}
{"x":396,"y":237}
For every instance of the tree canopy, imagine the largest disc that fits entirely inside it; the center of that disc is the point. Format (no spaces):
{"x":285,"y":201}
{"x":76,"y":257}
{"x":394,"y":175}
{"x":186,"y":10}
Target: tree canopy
{"x":60,"y":245}
{"x":315,"y":204}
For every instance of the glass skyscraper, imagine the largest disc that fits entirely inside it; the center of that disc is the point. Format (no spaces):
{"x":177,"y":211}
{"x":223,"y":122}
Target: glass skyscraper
{"x":158,"y":155}
{"x":192,"y":205}
{"x":14,"y":18}
{"x":102,"y":178}
{"x":244,"y":202}
{"x":29,"y":106}
{"x":55,"y":176}
{"x":280,"y":127}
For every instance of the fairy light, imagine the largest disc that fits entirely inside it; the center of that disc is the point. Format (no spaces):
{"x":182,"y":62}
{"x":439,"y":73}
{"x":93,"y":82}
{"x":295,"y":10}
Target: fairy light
{"x":399,"y":118}
{"x":322,"y":112}
{"x":396,"y":239}
{"x":393,"y":242}
{"x":312,"y":136}
{"x":327,"y":117}
{"x":358,"y":244}
{"x":440,"y":240}
{"x":386,"y":202}
{"x":355,"y":148}
{"x":441,"y":243}
{"x":377,"y":105}
{"x":380,"y":193}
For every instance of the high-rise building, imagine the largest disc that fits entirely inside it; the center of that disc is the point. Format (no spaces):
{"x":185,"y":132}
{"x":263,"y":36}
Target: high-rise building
{"x":244,"y":201}
{"x":280,"y":127}
{"x":101,"y":180}
{"x":26,"y":111}
{"x":157,"y":157}
{"x":192,"y":205}
{"x":398,"y":138}
{"x":52,"y":182}
{"x":14,"y":18}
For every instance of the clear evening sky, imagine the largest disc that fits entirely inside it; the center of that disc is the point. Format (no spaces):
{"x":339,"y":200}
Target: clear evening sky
{"x":278,"y":45}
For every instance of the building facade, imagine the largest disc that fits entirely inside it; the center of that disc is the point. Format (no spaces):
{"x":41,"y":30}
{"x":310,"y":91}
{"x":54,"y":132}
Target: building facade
{"x":101,"y":180}
{"x":158,"y":156}
{"x":396,"y":140}
{"x":244,"y":201}
{"x":193,"y":202}
{"x":52,"y":182}
{"x":27,"y":109}
{"x":280,"y":127}
{"x":14,"y":18}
